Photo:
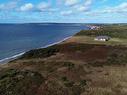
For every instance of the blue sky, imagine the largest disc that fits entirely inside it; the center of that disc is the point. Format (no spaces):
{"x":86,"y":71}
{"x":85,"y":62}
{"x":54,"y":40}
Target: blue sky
{"x":66,"y":11}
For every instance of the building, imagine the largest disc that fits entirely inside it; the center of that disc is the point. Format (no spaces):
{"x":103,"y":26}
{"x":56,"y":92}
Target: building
{"x":102,"y":38}
{"x":92,"y":27}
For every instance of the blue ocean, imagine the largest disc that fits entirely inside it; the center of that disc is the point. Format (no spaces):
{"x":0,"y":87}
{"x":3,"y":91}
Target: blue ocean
{"x":15,"y":39}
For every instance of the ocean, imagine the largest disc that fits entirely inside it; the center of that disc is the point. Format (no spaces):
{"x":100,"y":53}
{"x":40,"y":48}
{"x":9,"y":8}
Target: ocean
{"x":15,"y":39}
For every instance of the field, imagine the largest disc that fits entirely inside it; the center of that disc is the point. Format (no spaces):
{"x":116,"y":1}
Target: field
{"x":118,"y":34}
{"x":90,"y":40}
{"x":78,"y":66}
{"x":114,"y":31}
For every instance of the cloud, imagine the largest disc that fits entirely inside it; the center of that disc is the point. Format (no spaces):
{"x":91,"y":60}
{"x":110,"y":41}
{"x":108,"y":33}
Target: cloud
{"x":77,"y":7}
{"x":123,"y":5}
{"x":121,"y":8}
{"x":65,"y":13}
{"x":15,"y":5}
{"x":88,"y":2}
{"x":43,"y":6}
{"x":27,"y":7}
{"x":8,"y":6}
{"x":86,"y":6}
{"x":83,"y":8}
{"x":71,"y":2}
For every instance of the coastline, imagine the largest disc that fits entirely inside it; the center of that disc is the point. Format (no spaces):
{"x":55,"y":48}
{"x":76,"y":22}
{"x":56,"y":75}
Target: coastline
{"x":75,"y":65}
{"x":8,"y":59}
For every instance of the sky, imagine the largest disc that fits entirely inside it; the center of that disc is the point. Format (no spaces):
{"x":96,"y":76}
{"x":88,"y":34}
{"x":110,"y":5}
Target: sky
{"x":63,"y":11}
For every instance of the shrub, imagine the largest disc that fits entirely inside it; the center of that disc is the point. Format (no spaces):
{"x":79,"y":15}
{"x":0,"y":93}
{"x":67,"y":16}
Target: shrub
{"x":64,"y":78}
{"x":82,"y":82}
{"x":117,"y":56}
{"x":40,"y":53}
{"x":69,"y":84}
{"x":70,"y":65}
{"x":15,"y":82}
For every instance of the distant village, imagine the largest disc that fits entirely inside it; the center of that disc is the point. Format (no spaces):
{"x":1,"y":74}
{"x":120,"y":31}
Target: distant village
{"x":93,"y":27}
{"x":100,"y":37}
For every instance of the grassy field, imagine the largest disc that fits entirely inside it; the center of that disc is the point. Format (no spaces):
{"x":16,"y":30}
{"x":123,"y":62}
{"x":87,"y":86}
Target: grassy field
{"x":118,"y":34}
{"x":90,"y":40}
{"x":114,"y":31}
{"x":78,"y":66}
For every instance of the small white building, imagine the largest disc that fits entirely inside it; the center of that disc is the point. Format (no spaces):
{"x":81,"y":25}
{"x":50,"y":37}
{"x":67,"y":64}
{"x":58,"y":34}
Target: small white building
{"x":102,"y":38}
{"x":95,"y":27}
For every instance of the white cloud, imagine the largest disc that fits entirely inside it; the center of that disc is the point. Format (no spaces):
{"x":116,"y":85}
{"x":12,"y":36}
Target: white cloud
{"x":88,"y":2}
{"x":86,"y":6}
{"x":77,"y":7}
{"x":83,"y":8}
{"x":123,"y":5}
{"x":43,"y":6}
{"x":27,"y":7}
{"x":8,"y":6}
{"x":71,"y":2}
{"x":117,"y":9}
{"x":65,"y":13}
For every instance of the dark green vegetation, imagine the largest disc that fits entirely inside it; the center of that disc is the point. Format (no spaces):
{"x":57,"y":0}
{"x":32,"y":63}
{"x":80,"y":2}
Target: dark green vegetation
{"x":70,"y":68}
{"x":56,"y":80}
{"x":117,"y":56}
{"x":15,"y":82}
{"x":116,"y":31}
{"x":52,"y":50}
{"x":45,"y":52}
{"x":113,"y":54}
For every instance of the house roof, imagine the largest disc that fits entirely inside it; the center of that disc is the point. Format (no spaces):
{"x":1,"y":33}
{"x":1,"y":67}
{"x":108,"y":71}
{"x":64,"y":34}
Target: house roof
{"x":103,"y":37}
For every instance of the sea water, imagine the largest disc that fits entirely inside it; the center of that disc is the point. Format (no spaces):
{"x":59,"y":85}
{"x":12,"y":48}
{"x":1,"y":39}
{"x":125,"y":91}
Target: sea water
{"x":15,"y":39}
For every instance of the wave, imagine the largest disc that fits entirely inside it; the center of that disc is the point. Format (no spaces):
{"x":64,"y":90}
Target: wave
{"x":6,"y":60}
{"x":56,"y":42}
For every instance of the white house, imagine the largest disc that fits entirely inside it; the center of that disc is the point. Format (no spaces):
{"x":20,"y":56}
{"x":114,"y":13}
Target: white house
{"x":102,"y":38}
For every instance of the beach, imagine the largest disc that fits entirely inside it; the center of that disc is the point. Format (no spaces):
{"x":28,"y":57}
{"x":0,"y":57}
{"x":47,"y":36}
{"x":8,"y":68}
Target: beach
{"x":23,"y":38}
{"x":6,"y":60}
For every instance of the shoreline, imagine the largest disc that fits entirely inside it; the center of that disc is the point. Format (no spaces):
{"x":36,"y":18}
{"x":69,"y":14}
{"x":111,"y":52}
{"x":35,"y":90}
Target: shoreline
{"x":8,"y":59}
